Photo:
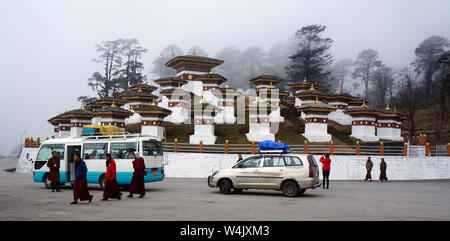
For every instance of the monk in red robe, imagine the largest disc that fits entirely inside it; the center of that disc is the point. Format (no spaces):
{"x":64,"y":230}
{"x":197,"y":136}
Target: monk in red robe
{"x":80,"y":187}
{"x":111,"y":188}
{"x":137,"y":185}
{"x":53,"y":176}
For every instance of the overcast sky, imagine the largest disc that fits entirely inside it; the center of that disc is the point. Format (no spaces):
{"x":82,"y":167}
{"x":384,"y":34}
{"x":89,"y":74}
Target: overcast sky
{"x":46,"y":47}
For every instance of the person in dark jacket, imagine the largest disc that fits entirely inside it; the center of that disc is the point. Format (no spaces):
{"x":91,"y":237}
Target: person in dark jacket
{"x":325,"y":159}
{"x":369,"y":166}
{"x":137,"y":185}
{"x":111,"y":188}
{"x":239,"y":158}
{"x":80,"y":188}
{"x":383,"y":167}
{"x":53,"y":176}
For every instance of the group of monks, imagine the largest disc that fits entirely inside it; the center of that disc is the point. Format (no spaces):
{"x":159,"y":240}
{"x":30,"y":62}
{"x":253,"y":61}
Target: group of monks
{"x":111,"y":188}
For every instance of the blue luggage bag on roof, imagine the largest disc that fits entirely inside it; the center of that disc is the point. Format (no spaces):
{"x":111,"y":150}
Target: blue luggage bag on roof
{"x":271,"y":145}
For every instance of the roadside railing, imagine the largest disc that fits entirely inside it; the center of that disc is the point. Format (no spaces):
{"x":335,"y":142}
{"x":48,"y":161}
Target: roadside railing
{"x":374,"y":149}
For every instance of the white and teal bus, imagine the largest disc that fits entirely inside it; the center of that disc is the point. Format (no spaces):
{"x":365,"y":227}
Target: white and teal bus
{"x":93,"y":150}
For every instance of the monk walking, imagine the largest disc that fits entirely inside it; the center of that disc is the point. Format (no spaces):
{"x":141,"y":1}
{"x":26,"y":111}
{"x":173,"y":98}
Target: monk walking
{"x":369,"y":166}
{"x":80,"y":187}
{"x":383,"y":167}
{"x":53,"y":176}
{"x":111,"y":188}
{"x":137,"y":181}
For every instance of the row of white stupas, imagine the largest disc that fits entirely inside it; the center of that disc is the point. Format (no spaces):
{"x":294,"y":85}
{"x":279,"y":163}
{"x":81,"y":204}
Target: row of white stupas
{"x":194,"y":96}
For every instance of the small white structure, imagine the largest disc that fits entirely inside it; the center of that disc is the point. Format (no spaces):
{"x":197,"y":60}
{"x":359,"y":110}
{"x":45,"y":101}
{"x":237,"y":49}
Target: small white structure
{"x":316,"y":121}
{"x":152,"y":122}
{"x":364,"y":119}
{"x":78,"y":118}
{"x":112,"y":115}
{"x":259,"y":121}
{"x":174,"y":98}
{"x":268,"y":93}
{"x":389,"y":125}
{"x":203,"y":124}
{"x":340,"y":101}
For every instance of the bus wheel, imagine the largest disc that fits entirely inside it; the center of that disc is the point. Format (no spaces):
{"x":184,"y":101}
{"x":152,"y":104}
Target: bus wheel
{"x":101,"y":181}
{"x":47,"y":183}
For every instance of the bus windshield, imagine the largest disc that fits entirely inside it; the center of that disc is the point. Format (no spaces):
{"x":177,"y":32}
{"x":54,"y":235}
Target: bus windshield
{"x":152,"y":148}
{"x":46,"y":151}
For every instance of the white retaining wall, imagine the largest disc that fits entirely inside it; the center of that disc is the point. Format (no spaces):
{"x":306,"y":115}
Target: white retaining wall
{"x":26,"y":159}
{"x":195,"y":165}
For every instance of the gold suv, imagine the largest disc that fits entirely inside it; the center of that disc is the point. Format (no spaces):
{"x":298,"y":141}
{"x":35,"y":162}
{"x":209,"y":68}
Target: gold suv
{"x":291,"y":174}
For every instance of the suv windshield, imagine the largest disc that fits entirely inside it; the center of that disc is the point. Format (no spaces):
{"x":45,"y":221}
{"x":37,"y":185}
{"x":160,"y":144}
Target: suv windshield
{"x":249,"y":163}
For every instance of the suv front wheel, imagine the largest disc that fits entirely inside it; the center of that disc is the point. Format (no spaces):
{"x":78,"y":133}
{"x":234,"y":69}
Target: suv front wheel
{"x":290,"y":188}
{"x":225,"y":186}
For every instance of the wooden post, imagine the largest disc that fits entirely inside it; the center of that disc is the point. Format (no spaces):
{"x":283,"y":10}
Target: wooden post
{"x":175,"y":145}
{"x":448,"y":149}
{"x":427,"y":149}
{"x":405,"y":149}
{"x":306,"y":147}
{"x":381,"y":148}
{"x":226,"y":146}
{"x":357,"y":148}
{"x":425,"y":138}
{"x":253,"y":147}
{"x":331,"y":148}
{"x":200,"y":146}
{"x":38,"y":142}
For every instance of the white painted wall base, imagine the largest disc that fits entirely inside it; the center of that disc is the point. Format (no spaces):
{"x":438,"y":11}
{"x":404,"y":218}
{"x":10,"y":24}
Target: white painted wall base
{"x":339,"y":117}
{"x":195,"y":165}
{"x":25,"y":164}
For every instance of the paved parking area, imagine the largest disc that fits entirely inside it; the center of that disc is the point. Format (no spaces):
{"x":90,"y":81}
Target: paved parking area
{"x":191,"y":199}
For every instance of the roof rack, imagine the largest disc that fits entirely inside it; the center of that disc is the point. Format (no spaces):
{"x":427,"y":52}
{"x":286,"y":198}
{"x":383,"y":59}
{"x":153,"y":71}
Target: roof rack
{"x":115,"y":135}
{"x":281,"y":151}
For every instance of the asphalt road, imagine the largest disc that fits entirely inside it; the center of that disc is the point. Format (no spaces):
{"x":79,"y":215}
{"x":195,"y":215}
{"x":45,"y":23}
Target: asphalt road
{"x":191,"y":199}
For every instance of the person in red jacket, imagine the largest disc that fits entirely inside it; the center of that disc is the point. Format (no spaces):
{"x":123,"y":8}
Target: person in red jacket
{"x":137,"y":185}
{"x":325,"y":159}
{"x":111,"y":188}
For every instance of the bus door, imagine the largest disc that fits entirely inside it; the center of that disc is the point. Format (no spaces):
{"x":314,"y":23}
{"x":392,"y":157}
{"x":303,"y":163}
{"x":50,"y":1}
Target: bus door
{"x":153,"y":153}
{"x":71,"y":150}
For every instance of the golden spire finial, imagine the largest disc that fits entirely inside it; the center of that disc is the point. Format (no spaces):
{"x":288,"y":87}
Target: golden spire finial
{"x":312,"y":87}
{"x":113,"y":104}
{"x":338,"y":91}
{"x":82,"y":107}
{"x":142,"y":82}
{"x":395,"y":108}
{"x":170,"y":74}
{"x":387,"y":107}
{"x":153,"y":102}
{"x":364,"y":104}
{"x":317,"y":99}
{"x":139,"y":90}
{"x":271,"y":85}
{"x":111,"y":95}
{"x":266,"y":73}
{"x":304,"y":80}
{"x":179,"y":86}
{"x":354,"y":94}
{"x":226,"y":85}
{"x":210,"y":72}
{"x":203,"y":101}
{"x":193,"y":53}
{"x":259,"y":100}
